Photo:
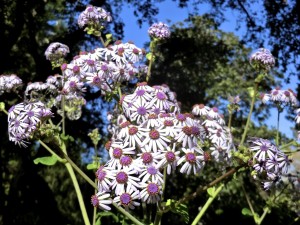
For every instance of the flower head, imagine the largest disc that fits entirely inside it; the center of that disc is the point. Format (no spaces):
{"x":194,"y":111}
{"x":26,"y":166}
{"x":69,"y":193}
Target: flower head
{"x":262,"y":59}
{"x":56,"y":51}
{"x":159,"y":30}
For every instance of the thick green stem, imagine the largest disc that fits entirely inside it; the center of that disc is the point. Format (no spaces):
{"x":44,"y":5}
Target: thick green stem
{"x":152,"y":50}
{"x":230,"y":120}
{"x":207,"y":204}
{"x":159,"y":212}
{"x":51,"y":151}
{"x":250,"y":114}
{"x":266,"y":211}
{"x":78,"y":193}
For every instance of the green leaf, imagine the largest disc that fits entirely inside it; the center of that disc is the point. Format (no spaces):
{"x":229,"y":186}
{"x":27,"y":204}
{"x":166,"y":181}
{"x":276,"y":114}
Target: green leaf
{"x":211,"y":191}
{"x":2,"y":106}
{"x":92,"y":166}
{"x":246,"y":212}
{"x":149,"y":56}
{"x":108,"y":36}
{"x":48,"y":160}
{"x":182,"y":210}
{"x":251,"y":91}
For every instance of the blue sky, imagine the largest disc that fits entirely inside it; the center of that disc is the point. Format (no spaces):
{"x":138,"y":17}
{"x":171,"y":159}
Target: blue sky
{"x":169,"y":13}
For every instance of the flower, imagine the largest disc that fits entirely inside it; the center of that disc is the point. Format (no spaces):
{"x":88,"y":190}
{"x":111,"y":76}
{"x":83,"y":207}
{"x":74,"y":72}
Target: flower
{"x":101,"y":200}
{"x":156,"y":139}
{"x":193,"y":160}
{"x":128,"y":199}
{"x":125,"y":179}
{"x":152,"y":174}
{"x":159,"y":31}
{"x":93,"y":16}
{"x":104,"y":177}
{"x":151,"y":192}
{"x":168,"y":158}
{"x":262,"y":59}
{"x":56,"y":51}
{"x":9,"y":83}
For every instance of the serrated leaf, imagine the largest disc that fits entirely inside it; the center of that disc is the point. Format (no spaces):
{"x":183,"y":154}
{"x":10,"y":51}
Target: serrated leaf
{"x":92,"y":166}
{"x":246,"y":212}
{"x":182,"y":210}
{"x":48,"y":160}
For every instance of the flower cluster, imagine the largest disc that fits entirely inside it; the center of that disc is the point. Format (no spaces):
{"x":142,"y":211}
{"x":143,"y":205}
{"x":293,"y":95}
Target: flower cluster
{"x":56,"y":51}
{"x":159,"y":31}
{"x":9,"y":83}
{"x":280,"y":97}
{"x":94,"y":18}
{"x":151,"y":134}
{"x":24,"y":119}
{"x":269,"y":162}
{"x":262,"y":59}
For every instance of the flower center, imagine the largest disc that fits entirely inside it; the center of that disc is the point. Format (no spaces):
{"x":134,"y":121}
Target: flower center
{"x":125,"y":199}
{"x":154,"y":134}
{"x":152,"y":170}
{"x":125,"y":160}
{"x":132,"y":130}
{"x":264,"y":148}
{"x":140,"y":92}
{"x":147,"y":157}
{"x":117,"y":153}
{"x":187,"y":130}
{"x":152,"y":189}
{"x":30,"y":113}
{"x":161,"y":95}
{"x":100,"y":174}
{"x":152,"y":116}
{"x":168,"y":123}
{"x":104,"y":67}
{"x":94,"y":201}
{"x":90,"y":62}
{"x":195,"y":130}
{"x":122,"y":177}
{"x":142,"y":110}
{"x":180,"y":117}
{"x":76,"y":69}
{"x":170,"y":156}
{"x":96,"y":80}
{"x":190,"y":157}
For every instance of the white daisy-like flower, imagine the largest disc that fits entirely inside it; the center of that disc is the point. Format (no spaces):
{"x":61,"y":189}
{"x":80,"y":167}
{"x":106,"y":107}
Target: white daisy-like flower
{"x":168,"y":158}
{"x":128,"y":161}
{"x":216,"y":135}
{"x":152,"y":121}
{"x":156,"y":139}
{"x":141,"y":96}
{"x":151,"y":173}
{"x":139,"y":112}
{"x":276,"y":95}
{"x":123,"y":131}
{"x":151,"y":192}
{"x":200,"y":110}
{"x":265,"y":97}
{"x":135,"y":135}
{"x":125,"y":179}
{"x":129,"y":199}
{"x":104,"y":178}
{"x":193,"y":160}
{"x":160,"y":100}
{"x":211,"y":122}
{"x":101,"y":200}
{"x":263,"y":148}
{"x":147,"y":156}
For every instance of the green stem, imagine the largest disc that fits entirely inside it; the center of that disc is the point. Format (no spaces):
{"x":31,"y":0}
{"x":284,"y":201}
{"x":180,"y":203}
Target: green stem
{"x":266,"y":211}
{"x":207,"y":204}
{"x":159,"y":212}
{"x":152,"y":50}
{"x":78,"y":193}
{"x":249,"y":203}
{"x":51,"y":151}
{"x":250,"y":114}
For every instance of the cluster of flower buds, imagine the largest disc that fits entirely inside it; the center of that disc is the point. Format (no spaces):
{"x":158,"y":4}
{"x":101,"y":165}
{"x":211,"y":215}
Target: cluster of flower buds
{"x":94,"y":19}
{"x":24,"y":119}
{"x":9,"y":83}
{"x":280,"y":97}
{"x":262,"y":59}
{"x":269,"y":162}
{"x":151,"y":135}
{"x":159,"y":31}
